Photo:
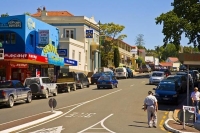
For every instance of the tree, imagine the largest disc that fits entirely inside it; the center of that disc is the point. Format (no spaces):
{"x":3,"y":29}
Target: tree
{"x":116,"y":57}
{"x":27,"y":13}
{"x":112,"y":32}
{"x":169,"y":51}
{"x":182,"y":19}
{"x":140,"y":41}
{"x":190,"y":49}
{"x":4,"y":15}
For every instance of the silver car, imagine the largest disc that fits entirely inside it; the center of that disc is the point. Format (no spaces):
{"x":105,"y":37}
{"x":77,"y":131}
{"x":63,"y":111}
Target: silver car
{"x":156,"y":77}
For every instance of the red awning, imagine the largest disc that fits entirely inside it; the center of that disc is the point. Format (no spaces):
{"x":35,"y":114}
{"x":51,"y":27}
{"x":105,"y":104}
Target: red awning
{"x":166,"y":64}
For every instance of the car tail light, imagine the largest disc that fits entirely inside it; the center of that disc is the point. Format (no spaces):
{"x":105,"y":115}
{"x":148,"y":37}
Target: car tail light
{"x":3,"y":93}
{"x":42,"y":87}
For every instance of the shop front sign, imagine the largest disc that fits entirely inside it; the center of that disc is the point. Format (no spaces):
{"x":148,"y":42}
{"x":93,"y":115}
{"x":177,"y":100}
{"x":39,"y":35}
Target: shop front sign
{"x":14,"y":23}
{"x":70,"y":62}
{"x":50,"y":51}
{"x":25,"y":56}
{"x":19,"y":65}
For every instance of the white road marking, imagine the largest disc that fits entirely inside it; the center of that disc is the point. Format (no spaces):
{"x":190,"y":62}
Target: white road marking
{"x":132,"y":85}
{"x":49,"y":130}
{"x":78,"y":105}
{"x":100,"y":122}
{"x":85,"y":115}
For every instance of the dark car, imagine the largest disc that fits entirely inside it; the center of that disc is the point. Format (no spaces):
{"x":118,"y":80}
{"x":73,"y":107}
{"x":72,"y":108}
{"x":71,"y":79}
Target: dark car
{"x":166,"y":71}
{"x":182,"y":81}
{"x":130,"y":72}
{"x":167,"y":92}
{"x":81,"y":80}
{"x":186,"y":75}
{"x":95,"y":77}
{"x":107,"y":81}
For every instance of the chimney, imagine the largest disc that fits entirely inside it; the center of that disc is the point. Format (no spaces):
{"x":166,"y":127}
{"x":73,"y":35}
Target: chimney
{"x":44,"y":12}
{"x":39,"y":10}
{"x":44,"y":8}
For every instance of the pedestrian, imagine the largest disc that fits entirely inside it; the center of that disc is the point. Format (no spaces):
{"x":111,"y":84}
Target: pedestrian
{"x":195,"y":96}
{"x":151,"y":105}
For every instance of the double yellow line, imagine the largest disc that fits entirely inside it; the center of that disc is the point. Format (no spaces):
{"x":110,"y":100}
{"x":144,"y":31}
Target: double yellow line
{"x":163,"y":120}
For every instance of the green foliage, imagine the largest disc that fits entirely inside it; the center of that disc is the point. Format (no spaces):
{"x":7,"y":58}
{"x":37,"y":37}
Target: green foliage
{"x":190,"y":49}
{"x":140,"y":61}
{"x":183,"y":19}
{"x":4,"y":15}
{"x":169,"y":51}
{"x":112,"y":32}
{"x":116,"y":57}
{"x":27,"y":13}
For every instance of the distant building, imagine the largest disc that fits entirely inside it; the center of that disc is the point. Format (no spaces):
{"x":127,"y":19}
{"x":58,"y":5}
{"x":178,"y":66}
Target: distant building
{"x":175,"y":62}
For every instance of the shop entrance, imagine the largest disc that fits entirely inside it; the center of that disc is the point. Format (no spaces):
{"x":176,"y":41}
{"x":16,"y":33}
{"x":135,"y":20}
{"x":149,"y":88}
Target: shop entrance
{"x":2,"y":73}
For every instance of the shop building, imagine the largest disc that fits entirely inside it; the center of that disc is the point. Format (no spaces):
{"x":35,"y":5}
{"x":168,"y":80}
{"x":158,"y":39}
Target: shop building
{"x":30,"y":48}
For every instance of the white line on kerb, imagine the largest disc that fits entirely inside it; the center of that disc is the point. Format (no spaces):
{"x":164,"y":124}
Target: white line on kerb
{"x":78,"y":105}
{"x":102,"y":121}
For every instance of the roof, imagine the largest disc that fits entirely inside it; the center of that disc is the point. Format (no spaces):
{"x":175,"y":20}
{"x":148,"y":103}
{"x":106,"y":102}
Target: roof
{"x":166,"y":64}
{"x":51,"y":13}
{"x":173,"y":59}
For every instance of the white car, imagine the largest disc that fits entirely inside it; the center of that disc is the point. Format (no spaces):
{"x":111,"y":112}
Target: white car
{"x":121,"y":72}
{"x":41,"y":86}
{"x":156,"y":77}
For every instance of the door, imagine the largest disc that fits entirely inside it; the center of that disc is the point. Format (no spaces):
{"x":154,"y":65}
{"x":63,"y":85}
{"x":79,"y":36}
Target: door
{"x":18,"y":88}
{"x":23,"y":90}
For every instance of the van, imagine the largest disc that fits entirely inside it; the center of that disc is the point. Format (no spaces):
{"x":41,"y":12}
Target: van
{"x":121,"y":72}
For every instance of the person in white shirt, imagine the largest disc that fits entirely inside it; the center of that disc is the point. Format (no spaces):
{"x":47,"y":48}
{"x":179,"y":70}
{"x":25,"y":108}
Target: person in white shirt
{"x":151,"y":105}
{"x":195,"y":96}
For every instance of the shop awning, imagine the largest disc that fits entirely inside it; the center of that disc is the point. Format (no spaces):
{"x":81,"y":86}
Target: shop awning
{"x":25,"y":58}
{"x":70,"y":62}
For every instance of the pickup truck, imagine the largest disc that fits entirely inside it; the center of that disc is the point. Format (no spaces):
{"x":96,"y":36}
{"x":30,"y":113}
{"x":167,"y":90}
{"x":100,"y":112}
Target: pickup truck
{"x":66,"y":82}
{"x":12,"y":91}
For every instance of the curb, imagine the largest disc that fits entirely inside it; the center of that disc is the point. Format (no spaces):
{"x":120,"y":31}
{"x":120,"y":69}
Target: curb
{"x":54,"y":114}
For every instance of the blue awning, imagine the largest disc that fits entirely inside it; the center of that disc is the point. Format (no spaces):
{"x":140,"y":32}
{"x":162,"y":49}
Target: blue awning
{"x":70,"y":62}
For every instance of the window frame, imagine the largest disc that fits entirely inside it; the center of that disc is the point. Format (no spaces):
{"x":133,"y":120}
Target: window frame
{"x":69,"y":33}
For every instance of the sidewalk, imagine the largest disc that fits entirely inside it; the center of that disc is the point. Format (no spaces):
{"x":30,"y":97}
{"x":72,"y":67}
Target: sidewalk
{"x":174,"y":122}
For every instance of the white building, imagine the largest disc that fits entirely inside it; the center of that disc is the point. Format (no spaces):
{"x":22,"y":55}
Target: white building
{"x":73,"y":37}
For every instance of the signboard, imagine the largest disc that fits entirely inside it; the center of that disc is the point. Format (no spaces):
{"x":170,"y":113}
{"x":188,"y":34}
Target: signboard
{"x":1,"y":54}
{"x":62,"y":52}
{"x":70,"y":62}
{"x":190,"y":109}
{"x":89,"y":33}
{"x":19,"y":65}
{"x":43,"y":37}
{"x":14,"y":23}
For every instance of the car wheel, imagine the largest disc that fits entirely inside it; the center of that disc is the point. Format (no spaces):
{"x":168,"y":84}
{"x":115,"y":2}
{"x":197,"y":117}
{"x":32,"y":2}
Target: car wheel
{"x":29,"y":97}
{"x":55,"y":92}
{"x":10,"y":103}
{"x":88,"y":85}
{"x":46,"y":94}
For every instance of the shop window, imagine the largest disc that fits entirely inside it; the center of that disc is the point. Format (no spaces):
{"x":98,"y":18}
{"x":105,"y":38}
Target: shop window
{"x":79,"y":56}
{"x":13,"y":38}
{"x":31,"y":39}
{"x":1,"y":38}
{"x":7,"y":40}
{"x":73,"y":54}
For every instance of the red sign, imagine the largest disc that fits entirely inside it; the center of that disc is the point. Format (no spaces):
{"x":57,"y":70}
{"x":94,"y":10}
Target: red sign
{"x":19,"y":65}
{"x":26,"y":56}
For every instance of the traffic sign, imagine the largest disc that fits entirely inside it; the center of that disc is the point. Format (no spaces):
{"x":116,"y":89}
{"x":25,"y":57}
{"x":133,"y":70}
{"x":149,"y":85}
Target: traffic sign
{"x":52,"y":103}
{"x":89,"y":33}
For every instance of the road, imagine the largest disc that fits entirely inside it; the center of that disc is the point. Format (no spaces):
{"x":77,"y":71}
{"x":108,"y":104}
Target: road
{"x":117,"y":110}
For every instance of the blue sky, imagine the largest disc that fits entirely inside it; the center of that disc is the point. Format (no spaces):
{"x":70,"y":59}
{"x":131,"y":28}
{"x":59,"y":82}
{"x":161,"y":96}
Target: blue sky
{"x":138,"y":16}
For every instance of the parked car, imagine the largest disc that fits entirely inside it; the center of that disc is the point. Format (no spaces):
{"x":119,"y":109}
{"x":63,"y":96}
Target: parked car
{"x":109,"y":73}
{"x":81,"y":80}
{"x":12,"y":91}
{"x":186,"y":75}
{"x":182,"y":81}
{"x":145,"y":68}
{"x":121,"y":72}
{"x":156,"y":77}
{"x":41,"y":86}
{"x":107,"y":81}
{"x":95,"y":77}
{"x":167,"y":92}
{"x":166,"y":71}
{"x":197,"y":74}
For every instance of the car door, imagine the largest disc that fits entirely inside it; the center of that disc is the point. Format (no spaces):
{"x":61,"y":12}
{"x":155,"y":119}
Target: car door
{"x":24,"y":90}
{"x":18,"y":88}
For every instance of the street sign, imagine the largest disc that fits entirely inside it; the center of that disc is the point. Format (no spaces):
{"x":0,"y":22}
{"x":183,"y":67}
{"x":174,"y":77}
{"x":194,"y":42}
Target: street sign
{"x":52,"y":103}
{"x":89,"y":33}
{"x":190,"y":109}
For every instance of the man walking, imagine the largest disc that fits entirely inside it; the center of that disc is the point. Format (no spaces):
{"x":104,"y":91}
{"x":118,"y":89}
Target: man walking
{"x":151,"y":105}
{"x":195,"y":96}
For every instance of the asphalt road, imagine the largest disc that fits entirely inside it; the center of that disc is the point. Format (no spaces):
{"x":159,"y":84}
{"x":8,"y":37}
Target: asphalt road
{"x":117,"y":110}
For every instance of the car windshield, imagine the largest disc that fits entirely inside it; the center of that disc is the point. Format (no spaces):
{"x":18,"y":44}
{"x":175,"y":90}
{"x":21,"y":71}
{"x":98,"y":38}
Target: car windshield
{"x":46,"y":80}
{"x":104,"y":78}
{"x":6,"y":84}
{"x":119,"y":70}
{"x":166,"y":87}
{"x":157,"y":75}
